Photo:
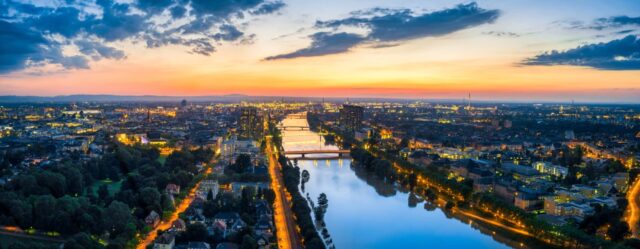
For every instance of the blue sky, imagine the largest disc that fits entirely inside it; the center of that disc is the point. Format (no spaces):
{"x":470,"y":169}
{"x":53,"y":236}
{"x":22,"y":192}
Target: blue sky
{"x":369,"y":48}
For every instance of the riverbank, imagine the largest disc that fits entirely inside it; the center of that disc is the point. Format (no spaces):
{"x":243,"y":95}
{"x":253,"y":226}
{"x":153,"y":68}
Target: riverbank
{"x":462,"y":197}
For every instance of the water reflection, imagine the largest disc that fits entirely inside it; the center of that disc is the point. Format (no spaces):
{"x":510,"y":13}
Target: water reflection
{"x":366,"y":212}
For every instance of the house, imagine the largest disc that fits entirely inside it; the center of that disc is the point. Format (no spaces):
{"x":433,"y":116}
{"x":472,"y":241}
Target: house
{"x":164,"y":241}
{"x":221,"y":227}
{"x":229,"y":218}
{"x":179,"y":225}
{"x":172,"y":189}
{"x":263,"y":227}
{"x":263,"y":209}
{"x":263,"y":242}
{"x":206,"y":187}
{"x":198,"y":218}
{"x":238,"y":225}
{"x":152,"y":219}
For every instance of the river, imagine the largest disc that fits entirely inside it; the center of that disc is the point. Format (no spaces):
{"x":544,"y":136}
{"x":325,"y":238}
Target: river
{"x":364,"y":213}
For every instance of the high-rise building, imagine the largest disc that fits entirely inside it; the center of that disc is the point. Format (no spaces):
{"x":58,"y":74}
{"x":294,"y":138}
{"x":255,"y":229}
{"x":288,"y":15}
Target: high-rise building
{"x":351,"y":117}
{"x":250,"y":123}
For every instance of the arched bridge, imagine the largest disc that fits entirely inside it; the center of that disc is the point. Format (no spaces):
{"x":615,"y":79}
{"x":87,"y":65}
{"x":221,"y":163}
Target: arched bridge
{"x":303,"y":153}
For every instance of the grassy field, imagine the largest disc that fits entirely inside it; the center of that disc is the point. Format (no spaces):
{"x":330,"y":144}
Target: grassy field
{"x":112,"y":186}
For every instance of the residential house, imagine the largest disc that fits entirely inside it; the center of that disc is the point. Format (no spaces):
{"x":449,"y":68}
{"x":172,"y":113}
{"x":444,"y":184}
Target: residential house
{"x":152,"y":219}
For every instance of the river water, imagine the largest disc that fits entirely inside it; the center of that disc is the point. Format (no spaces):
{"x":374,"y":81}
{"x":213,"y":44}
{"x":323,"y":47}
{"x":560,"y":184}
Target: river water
{"x":365,"y":213}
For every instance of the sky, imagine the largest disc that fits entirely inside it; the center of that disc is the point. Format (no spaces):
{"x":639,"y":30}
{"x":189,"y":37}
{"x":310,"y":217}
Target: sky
{"x":539,"y":50}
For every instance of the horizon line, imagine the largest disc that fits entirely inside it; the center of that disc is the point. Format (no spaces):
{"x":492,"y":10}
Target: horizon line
{"x":202,"y":98}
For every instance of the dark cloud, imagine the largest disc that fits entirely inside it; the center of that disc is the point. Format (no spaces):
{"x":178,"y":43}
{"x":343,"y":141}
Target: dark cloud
{"x":222,"y":9}
{"x":22,"y":47}
{"x":618,"y":21}
{"x":35,"y":35}
{"x":201,"y":46}
{"x":396,"y":25}
{"x":116,"y":23}
{"x":603,"y":23}
{"x":323,"y":44}
{"x":228,"y":33}
{"x":268,"y":8}
{"x":621,"y":54}
{"x":153,"y":7}
{"x":98,"y":50}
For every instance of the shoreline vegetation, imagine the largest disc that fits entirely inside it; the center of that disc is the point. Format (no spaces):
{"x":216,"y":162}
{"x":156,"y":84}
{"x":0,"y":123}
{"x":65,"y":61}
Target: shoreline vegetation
{"x":459,"y":196}
{"x":300,"y":206}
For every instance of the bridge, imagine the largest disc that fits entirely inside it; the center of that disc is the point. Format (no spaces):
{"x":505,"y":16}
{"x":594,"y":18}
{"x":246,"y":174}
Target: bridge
{"x":293,"y":128}
{"x":302,"y":115}
{"x":303,"y":153}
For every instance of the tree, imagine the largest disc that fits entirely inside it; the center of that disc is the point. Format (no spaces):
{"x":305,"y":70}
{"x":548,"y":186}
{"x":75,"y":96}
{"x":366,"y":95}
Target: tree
{"x":196,"y":232}
{"x":242,"y":164}
{"x":117,"y":217}
{"x":74,"y":179}
{"x":82,"y":241}
{"x":270,"y":195}
{"x":103,"y":192}
{"x":618,"y":231}
{"x":248,"y":242}
{"x":43,"y":212}
{"x":150,"y":198}
{"x":321,"y":209}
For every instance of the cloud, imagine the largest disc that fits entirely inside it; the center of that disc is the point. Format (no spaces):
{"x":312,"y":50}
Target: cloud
{"x":384,"y":25}
{"x":501,"y":34}
{"x":22,"y":47}
{"x":98,"y":50}
{"x":35,"y":34}
{"x":268,"y":8}
{"x":617,"y":21}
{"x":602,"y":23}
{"x":620,"y":54}
{"x":323,"y":44}
{"x":228,"y":33}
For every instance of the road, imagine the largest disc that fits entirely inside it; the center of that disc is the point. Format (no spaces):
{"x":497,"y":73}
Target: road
{"x":164,"y":225}
{"x":19,"y":233}
{"x":633,"y":209}
{"x":286,"y":230}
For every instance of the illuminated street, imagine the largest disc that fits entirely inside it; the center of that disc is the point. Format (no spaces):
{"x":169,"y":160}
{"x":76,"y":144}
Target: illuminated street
{"x":285,"y":224}
{"x":166,"y":224}
{"x":633,"y":211}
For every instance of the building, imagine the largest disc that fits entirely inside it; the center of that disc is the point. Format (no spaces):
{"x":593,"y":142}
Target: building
{"x":250,"y":123}
{"x":550,"y":169}
{"x":165,"y":241}
{"x":351,"y":117}
{"x":152,"y":219}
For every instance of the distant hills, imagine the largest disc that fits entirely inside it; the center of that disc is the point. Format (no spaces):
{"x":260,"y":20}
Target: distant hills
{"x":230,"y":98}
{"x":236,"y":98}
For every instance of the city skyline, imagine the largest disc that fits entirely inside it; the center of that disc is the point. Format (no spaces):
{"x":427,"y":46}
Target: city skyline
{"x":495,"y":50}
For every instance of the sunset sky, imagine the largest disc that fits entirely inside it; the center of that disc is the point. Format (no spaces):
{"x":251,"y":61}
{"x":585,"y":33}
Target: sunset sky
{"x":495,"y":50}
